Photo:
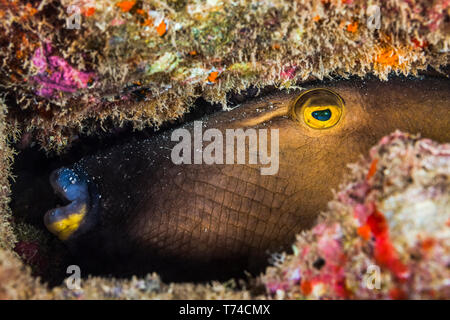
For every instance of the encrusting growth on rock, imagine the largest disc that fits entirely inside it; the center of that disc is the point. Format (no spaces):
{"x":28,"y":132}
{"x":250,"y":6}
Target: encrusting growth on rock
{"x":133,"y":61}
{"x":384,"y":236}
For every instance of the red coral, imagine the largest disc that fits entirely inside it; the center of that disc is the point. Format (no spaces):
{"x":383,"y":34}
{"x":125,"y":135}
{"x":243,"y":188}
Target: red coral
{"x":385,"y":253}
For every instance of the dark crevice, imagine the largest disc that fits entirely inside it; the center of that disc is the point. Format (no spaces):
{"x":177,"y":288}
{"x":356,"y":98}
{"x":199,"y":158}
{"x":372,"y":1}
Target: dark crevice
{"x":43,"y":252}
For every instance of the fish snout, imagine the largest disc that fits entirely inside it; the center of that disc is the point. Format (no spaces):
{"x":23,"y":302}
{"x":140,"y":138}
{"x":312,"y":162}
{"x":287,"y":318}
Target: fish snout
{"x":81,"y":213}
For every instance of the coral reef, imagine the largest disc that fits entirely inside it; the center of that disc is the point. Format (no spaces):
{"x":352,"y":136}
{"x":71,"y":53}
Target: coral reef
{"x":83,"y":66}
{"x":71,"y":66}
{"x":386,"y":234}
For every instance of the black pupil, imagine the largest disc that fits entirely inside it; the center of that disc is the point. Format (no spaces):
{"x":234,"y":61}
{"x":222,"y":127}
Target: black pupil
{"x":322,"y":115}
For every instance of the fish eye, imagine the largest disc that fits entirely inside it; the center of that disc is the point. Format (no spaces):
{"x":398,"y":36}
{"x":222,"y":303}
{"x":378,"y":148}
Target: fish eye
{"x":319,"y":108}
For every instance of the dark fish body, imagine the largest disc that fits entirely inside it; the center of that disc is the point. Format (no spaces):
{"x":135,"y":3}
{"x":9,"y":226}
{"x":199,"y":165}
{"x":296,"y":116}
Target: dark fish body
{"x":207,"y":221}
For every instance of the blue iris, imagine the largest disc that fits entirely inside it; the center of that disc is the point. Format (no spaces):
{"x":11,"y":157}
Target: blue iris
{"x":322,"y":115}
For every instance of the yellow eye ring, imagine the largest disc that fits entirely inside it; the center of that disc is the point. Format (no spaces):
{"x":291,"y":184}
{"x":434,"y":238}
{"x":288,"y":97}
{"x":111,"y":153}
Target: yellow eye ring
{"x":318,"y":108}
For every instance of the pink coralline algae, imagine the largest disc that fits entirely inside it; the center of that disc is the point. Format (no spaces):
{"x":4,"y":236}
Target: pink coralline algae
{"x":288,"y":73}
{"x":396,"y":224}
{"x":436,"y":14}
{"x":54,"y":74}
